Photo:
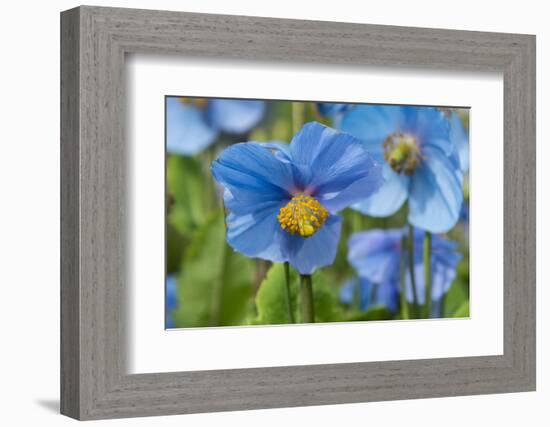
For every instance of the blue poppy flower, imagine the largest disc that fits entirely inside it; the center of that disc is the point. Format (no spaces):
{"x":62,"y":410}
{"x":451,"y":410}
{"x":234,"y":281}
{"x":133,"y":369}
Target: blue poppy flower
{"x":283,"y":199}
{"x":191,"y":126}
{"x":420,"y":163}
{"x":368,"y":294}
{"x":376,"y":256}
{"x":329,"y":109}
{"x":171,"y":300}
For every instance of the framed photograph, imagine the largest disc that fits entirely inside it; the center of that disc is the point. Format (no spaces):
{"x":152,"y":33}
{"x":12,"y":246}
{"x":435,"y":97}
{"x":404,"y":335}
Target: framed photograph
{"x":262,"y":213}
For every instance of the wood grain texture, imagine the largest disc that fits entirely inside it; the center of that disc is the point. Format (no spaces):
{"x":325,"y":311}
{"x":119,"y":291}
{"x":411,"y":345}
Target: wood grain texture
{"x":70,"y":292}
{"x":94,"y":381}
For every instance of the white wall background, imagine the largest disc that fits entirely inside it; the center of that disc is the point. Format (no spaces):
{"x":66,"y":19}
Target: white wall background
{"x":29,"y":212}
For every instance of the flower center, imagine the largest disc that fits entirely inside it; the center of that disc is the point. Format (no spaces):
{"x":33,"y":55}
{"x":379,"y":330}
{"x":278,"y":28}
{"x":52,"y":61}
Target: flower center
{"x":402,"y":153}
{"x":303,"y":215}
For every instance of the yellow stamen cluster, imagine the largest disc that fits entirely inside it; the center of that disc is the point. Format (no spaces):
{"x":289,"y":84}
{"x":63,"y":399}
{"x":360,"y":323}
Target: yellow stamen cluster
{"x":402,"y":153}
{"x":303,"y":215}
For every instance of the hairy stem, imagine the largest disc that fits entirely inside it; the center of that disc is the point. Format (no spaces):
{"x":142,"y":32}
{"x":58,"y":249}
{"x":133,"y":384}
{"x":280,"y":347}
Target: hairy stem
{"x":402,"y":273}
{"x":288,"y":294}
{"x":411,"y":271}
{"x":306,"y":293}
{"x":428,"y":274}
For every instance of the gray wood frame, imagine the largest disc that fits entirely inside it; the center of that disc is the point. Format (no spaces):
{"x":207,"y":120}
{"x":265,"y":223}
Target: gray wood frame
{"x":94,"y":41}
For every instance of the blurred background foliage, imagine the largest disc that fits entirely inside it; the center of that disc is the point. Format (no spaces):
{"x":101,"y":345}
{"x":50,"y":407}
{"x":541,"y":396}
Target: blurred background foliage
{"x":216,"y":286}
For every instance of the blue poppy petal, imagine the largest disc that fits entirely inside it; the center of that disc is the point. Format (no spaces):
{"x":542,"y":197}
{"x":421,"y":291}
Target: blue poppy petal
{"x":171,"y":292}
{"x":365,"y":293}
{"x":437,"y":308}
{"x":465,"y":212}
{"x":169,"y":321}
{"x":375,"y":254}
{"x":305,"y":146}
{"x":187,"y":132}
{"x":280,"y":149}
{"x":256,"y":235}
{"x":444,"y":262}
{"x":334,"y":167}
{"x":357,"y":290}
{"x":419,"y":281}
{"x":253,"y":174}
{"x":459,"y":137}
{"x":356,"y":189}
{"x":233,"y":115}
{"x":389,"y":198}
{"x":347,"y":292}
{"x":429,"y":126}
{"x":171,"y":302}
{"x":387,"y":294}
{"x":308,"y":254}
{"x":372,"y":124}
{"x":251,"y":202}
{"x":310,"y":142}
{"x":436,"y":193}
{"x":442,"y":279}
{"x":328,"y":109}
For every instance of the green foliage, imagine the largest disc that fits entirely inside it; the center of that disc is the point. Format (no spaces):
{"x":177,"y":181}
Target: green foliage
{"x":456,"y":300}
{"x":175,"y":244}
{"x":271,"y":300}
{"x":463,"y":310}
{"x":378,"y":312}
{"x":186,"y":184}
{"x":215,"y":283}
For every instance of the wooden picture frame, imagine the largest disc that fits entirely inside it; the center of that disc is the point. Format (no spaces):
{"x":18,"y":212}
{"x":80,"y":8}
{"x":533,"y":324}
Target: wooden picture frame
{"x":94,"y":382}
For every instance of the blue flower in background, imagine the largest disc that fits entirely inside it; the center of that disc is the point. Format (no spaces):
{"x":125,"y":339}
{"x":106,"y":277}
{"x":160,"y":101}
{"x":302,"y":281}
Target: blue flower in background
{"x":334,"y":110}
{"x":367,"y":294}
{"x":283,"y":199}
{"x":460,"y":138}
{"x":444,"y":262}
{"x":420,"y":163}
{"x":171,"y":300}
{"x":376,"y":256}
{"x":191,"y":126}
{"x":329,"y":109}
{"x":356,"y":291}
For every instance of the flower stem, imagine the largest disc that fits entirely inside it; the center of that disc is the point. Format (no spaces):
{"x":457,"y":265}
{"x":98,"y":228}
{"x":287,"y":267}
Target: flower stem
{"x":428,"y":274}
{"x":298,"y":112}
{"x":402,"y":273}
{"x":357,"y":222}
{"x":288,"y":295}
{"x":411,"y":271}
{"x":306,"y":293}
{"x":216,"y":309}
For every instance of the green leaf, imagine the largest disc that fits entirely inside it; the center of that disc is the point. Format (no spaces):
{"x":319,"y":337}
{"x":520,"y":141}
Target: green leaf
{"x":455,"y":298}
{"x":463,"y":310}
{"x":271,"y":300}
{"x":215,"y":283}
{"x":186,"y":184}
{"x":175,"y":244}
{"x":378,"y":312}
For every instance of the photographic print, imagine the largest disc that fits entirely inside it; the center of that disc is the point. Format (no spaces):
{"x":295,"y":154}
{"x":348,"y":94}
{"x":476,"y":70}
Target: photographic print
{"x":283,"y":212}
